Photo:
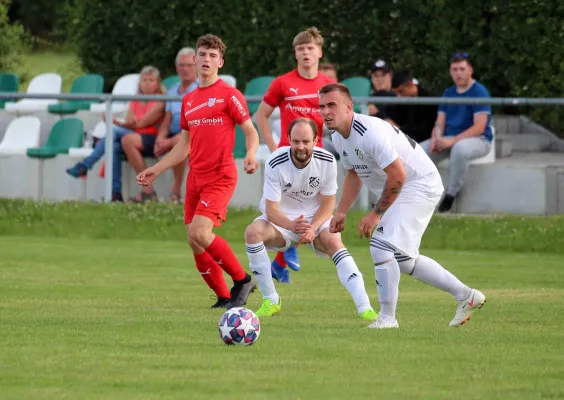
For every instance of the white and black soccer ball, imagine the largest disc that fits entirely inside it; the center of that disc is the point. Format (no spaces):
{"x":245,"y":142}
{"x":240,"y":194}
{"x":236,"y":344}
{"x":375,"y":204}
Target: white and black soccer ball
{"x":240,"y":326}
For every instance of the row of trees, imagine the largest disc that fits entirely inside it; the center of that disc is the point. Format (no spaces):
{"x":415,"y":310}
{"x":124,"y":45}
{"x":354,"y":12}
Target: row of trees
{"x":516,"y":46}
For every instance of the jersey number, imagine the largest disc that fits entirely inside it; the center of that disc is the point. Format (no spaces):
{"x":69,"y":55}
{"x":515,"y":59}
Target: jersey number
{"x":412,"y":142}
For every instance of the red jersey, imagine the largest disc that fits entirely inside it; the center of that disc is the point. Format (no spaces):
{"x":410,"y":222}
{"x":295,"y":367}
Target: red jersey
{"x":210,"y":115}
{"x":297,"y":97}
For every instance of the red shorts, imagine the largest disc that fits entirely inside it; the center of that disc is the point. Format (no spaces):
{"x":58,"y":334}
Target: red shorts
{"x":209,"y":195}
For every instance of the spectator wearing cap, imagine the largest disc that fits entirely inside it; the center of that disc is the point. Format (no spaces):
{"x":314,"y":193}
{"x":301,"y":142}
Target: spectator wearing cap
{"x":415,"y":120}
{"x":462,"y":132}
{"x":381,"y":78}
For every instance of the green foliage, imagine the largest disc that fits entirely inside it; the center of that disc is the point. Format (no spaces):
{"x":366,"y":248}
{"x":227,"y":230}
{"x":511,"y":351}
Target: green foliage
{"x":165,"y":222}
{"x":39,"y":17}
{"x":13,"y":41}
{"x":516,"y":47}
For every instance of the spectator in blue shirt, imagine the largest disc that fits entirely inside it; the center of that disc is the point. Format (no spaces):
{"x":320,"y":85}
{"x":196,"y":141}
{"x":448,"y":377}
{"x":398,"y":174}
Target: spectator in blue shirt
{"x":462,"y":131}
{"x":170,"y":127}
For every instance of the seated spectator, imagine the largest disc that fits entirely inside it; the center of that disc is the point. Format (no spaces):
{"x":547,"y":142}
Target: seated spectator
{"x":462,"y":131}
{"x":170,"y":127}
{"x":381,"y":78}
{"x":415,"y":120}
{"x":141,"y":117}
{"x":143,"y":124}
{"x":329,"y":70}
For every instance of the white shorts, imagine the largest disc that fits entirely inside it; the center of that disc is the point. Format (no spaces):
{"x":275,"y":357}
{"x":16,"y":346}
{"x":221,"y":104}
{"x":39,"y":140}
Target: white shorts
{"x":405,"y":222}
{"x":293,"y":238}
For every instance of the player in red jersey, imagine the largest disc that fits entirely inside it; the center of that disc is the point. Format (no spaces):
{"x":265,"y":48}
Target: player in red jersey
{"x":296,"y":95}
{"x":208,"y":118}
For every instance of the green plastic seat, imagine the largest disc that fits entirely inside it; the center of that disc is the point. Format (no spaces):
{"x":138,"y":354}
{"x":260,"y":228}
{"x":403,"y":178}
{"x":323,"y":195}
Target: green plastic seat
{"x":170,"y":81}
{"x":359,"y":86}
{"x":8,"y":83}
{"x":86,"y":84}
{"x":257,"y":87}
{"x":66,"y":133}
{"x":240,"y":148}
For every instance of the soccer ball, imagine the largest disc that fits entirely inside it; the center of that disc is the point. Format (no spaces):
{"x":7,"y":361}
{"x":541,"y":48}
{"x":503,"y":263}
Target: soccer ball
{"x":240,"y":326}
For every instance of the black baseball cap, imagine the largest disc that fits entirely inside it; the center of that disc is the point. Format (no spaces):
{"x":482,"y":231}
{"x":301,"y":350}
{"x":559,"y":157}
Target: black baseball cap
{"x":380,"y":65}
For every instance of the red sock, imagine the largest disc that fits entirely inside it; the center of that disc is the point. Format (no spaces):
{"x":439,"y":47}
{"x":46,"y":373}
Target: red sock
{"x":224,"y":256}
{"x":212,"y":274}
{"x":280,"y":259}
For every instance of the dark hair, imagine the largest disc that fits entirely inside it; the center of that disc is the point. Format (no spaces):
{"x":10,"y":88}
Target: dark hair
{"x":336,"y":87}
{"x":401,"y":77}
{"x":210,"y":41}
{"x":327,"y":65}
{"x":303,"y":120}
{"x":460,"y":56}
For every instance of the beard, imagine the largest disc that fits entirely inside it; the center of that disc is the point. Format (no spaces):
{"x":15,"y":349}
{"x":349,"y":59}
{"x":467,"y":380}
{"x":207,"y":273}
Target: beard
{"x":301,"y":156}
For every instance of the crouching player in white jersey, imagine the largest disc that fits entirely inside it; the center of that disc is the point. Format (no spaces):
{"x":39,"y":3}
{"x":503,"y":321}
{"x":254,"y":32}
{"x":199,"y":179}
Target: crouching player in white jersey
{"x":412,"y":190}
{"x":299,"y":196}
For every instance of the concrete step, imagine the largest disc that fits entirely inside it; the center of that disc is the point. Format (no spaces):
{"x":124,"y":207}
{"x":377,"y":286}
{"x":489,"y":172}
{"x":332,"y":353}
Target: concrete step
{"x":506,"y":123}
{"x":503,"y":146}
{"x":529,"y":142}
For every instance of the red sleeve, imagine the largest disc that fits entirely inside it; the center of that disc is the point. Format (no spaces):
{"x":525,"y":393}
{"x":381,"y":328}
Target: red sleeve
{"x":183,"y":123}
{"x":273,"y":96}
{"x":237,"y":106}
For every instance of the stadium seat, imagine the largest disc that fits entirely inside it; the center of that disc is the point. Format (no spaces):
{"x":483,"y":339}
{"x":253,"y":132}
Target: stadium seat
{"x":126,"y":85}
{"x":66,"y":133}
{"x":8,"y":83}
{"x":90,"y":84}
{"x":49,"y":83}
{"x":240,"y":148}
{"x":99,"y":132}
{"x":229,"y":79}
{"x":170,"y":81}
{"x":359,"y":86}
{"x":22,"y":133}
{"x":257,"y":87}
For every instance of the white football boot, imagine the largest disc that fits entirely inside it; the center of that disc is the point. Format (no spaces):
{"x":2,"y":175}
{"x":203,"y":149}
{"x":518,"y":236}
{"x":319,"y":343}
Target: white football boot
{"x":466,"y":307}
{"x":381,"y":323}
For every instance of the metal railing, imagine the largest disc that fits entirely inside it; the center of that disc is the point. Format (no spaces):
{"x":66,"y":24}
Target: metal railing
{"x":108,"y":99}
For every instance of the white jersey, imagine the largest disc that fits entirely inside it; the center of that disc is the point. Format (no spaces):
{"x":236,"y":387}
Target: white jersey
{"x":296,"y":189}
{"x":374,"y":144}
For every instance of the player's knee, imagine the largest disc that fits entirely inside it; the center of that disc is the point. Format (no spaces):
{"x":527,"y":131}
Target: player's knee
{"x":331,"y":243}
{"x":253,"y":234}
{"x":406,"y":265}
{"x":380,"y":255}
{"x":199,"y":237}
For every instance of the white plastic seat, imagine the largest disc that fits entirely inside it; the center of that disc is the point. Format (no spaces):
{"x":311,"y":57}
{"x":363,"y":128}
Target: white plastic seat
{"x":126,"y":85}
{"x":490,"y":157}
{"x":49,"y":83}
{"x":229,"y":79}
{"x":21,"y":134}
{"x":99,"y":130}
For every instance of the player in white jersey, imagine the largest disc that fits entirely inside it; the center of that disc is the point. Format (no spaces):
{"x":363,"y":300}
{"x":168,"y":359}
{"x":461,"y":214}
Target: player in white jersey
{"x":411,"y":192}
{"x":299,"y":195}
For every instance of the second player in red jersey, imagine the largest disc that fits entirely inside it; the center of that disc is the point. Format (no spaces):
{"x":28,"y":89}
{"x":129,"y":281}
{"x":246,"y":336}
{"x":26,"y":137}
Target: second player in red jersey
{"x":296,"y":95}
{"x":208,"y":118}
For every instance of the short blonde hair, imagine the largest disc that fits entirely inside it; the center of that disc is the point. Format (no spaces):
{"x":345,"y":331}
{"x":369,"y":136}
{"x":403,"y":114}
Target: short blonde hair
{"x":150,"y":70}
{"x":308,"y":36}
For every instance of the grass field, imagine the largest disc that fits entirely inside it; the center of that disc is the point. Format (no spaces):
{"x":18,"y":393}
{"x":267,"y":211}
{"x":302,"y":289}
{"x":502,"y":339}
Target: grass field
{"x":60,"y":61}
{"x":114,"y":318}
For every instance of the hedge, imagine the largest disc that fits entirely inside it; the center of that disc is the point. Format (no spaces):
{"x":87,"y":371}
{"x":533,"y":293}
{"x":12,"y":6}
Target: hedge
{"x":517,"y":47}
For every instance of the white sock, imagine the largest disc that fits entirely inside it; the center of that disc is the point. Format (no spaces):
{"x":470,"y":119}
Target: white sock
{"x":432,"y":273}
{"x":387,"y":278}
{"x":259,"y":262}
{"x":351,"y":278}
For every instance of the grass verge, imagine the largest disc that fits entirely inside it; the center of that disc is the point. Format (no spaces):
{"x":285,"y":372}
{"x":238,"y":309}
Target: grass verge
{"x":165,"y":222}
